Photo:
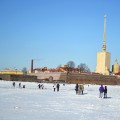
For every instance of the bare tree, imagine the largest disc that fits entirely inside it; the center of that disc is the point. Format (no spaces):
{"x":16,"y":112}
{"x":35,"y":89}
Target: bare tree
{"x":83,"y":68}
{"x":24,"y":70}
{"x":59,"y":65}
{"x":71,"y":64}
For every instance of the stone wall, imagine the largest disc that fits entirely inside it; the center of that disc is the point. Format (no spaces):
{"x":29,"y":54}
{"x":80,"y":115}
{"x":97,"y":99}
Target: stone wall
{"x":18,"y":77}
{"x":70,"y":78}
{"x":24,"y":78}
{"x":93,"y":79}
{"x":80,"y":78}
{"x":55,"y":75}
{"x":4,"y":77}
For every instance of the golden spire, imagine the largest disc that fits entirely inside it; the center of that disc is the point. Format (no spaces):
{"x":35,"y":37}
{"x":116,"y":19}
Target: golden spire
{"x":104,"y":38}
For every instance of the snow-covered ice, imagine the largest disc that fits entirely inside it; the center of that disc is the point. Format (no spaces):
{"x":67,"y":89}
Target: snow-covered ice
{"x":31,"y":103}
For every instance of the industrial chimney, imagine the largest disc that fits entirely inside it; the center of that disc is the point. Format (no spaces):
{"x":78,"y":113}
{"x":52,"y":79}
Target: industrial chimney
{"x":32,"y":66}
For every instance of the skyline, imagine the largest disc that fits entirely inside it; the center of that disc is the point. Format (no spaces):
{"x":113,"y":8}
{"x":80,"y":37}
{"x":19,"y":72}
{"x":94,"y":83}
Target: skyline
{"x":55,"y":32}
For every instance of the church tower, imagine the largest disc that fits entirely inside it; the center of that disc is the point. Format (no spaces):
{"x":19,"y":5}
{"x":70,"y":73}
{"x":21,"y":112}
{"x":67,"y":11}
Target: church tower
{"x":103,"y":57}
{"x":116,"y":67}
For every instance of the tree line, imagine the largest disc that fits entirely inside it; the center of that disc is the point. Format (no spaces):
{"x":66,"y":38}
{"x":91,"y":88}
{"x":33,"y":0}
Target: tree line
{"x":82,"y":67}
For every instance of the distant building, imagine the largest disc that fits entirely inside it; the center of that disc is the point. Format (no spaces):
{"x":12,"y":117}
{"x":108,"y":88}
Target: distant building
{"x":116,"y":67}
{"x":11,"y":71}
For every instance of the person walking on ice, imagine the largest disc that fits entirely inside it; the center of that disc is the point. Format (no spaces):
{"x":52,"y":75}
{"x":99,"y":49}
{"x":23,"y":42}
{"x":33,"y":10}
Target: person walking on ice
{"x":105,"y":92}
{"x":101,"y":90}
{"x":13,"y":84}
{"x":81,"y":89}
{"x":76,"y":88}
{"x":54,"y":87}
{"x":19,"y":85}
{"x":58,"y":86}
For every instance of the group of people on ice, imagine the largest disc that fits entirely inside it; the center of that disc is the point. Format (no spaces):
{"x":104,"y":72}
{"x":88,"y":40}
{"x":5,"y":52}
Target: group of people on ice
{"x":40,"y":86}
{"x":19,"y":85}
{"x":79,"y":89}
{"x":56,"y":86}
{"x":103,"y":90}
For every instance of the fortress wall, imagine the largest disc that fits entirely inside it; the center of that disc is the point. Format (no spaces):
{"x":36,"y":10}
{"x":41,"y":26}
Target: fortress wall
{"x":70,"y":78}
{"x":55,"y":75}
{"x":24,"y":78}
{"x":4,"y":76}
{"x":93,"y":79}
{"x":80,"y":78}
{"x":18,"y":77}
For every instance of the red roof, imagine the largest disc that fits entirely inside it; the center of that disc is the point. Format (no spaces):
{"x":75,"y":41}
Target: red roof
{"x":46,"y":79}
{"x":117,"y":73}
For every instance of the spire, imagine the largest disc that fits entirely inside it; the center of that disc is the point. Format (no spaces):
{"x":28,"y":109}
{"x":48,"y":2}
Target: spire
{"x":116,"y":62}
{"x":104,"y":38}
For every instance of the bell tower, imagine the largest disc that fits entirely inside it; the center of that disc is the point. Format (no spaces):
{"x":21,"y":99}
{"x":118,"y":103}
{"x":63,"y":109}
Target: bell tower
{"x":103,"y":57}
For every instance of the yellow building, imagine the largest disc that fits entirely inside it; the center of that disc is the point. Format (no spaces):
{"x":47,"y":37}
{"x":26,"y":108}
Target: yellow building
{"x":11,"y":71}
{"x":103,"y":63}
{"x":103,"y":57}
{"x":116,"y":67}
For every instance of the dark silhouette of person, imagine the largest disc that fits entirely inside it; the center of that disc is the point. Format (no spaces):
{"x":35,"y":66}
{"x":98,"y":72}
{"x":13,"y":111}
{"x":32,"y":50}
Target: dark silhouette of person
{"x":13,"y":84}
{"x":39,"y":86}
{"x":105,"y":92}
{"x":19,"y":85}
{"x":54,"y":87}
{"x":58,"y":86}
{"x":23,"y":86}
{"x":76,"y":88}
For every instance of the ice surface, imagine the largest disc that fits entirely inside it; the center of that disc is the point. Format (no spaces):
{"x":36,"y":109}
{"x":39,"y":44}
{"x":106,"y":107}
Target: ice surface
{"x":31,"y":103}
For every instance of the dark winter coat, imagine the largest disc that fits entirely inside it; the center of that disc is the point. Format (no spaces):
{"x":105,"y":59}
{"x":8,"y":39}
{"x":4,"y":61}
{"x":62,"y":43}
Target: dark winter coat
{"x":76,"y":87}
{"x":58,"y":85}
{"x":105,"y":90}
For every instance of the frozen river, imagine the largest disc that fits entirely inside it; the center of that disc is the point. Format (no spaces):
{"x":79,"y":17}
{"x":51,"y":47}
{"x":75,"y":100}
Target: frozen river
{"x":31,"y":103}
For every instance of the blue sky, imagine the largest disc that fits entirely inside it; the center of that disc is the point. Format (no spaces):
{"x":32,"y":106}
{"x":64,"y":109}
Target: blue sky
{"x":54,"y":32}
